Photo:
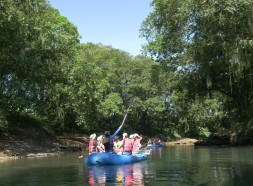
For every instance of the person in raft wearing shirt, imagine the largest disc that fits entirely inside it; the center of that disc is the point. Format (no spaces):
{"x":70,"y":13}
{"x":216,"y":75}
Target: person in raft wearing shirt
{"x":108,"y":139}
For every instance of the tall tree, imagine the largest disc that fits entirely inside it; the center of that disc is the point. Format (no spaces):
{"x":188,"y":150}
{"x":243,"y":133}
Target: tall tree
{"x":34,"y":41}
{"x":211,"y":40}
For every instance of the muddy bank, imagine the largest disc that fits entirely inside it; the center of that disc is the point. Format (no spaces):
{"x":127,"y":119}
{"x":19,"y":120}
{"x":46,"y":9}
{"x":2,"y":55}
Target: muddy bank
{"x":12,"y":147}
{"x":183,"y":141}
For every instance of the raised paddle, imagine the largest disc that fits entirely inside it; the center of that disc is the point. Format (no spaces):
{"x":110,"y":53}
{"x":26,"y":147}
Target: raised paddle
{"x":126,"y":114}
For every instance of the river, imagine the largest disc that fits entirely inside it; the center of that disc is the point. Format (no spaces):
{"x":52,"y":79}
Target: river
{"x":176,"y":166}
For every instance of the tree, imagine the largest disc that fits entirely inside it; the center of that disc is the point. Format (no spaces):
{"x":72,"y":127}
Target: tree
{"x":210,"y":42}
{"x":34,"y":42}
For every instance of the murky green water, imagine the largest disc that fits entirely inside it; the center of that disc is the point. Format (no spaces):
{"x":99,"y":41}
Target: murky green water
{"x":176,"y":166}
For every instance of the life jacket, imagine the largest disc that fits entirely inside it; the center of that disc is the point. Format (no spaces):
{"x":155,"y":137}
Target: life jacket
{"x":132,"y":140}
{"x":106,"y":143}
{"x":128,"y":145}
{"x":92,"y":146}
{"x":136,"y":144}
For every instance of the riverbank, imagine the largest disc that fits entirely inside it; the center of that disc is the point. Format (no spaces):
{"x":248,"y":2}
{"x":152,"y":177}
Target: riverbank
{"x":184,"y":141}
{"x":14,"y":147}
{"x":43,"y":143}
{"x":36,"y":146}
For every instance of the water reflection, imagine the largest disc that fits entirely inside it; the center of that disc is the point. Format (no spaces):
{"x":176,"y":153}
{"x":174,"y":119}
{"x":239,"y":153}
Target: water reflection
{"x":199,"y":166}
{"x":131,"y":174}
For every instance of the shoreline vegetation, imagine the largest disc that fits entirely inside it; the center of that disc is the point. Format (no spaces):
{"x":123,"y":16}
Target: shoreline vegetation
{"x":38,"y":140}
{"x":15,"y":146}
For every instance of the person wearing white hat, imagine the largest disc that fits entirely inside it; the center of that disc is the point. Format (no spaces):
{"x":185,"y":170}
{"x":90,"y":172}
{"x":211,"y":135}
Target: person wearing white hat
{"x":100,"y":146}
{"x":92,"y":143}
{"x":127,"y":145}
{"x":124,"y":135}
{"x":137,"y":142}
{"x":132,"y":137}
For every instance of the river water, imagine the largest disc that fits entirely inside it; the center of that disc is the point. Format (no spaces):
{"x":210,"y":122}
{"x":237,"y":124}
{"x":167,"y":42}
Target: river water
{"x":176,"y":166}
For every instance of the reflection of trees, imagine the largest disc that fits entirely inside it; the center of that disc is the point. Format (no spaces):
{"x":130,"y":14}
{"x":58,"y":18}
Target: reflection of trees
{"x":216,"y":166}
{"x":200,"y":166}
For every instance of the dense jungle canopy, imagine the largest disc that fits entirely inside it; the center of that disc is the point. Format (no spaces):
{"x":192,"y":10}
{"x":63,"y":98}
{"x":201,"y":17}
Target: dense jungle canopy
{"x":194,"y":78}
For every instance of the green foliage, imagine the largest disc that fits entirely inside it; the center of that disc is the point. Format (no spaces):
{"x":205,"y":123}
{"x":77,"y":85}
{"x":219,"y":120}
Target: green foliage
{"x":102,"y":84}
{"x":46,"y":74}
{"x":110,"y":106}
{"x":202,"y":83}
{"x":207,"y":46}
{"x":34,"y":42}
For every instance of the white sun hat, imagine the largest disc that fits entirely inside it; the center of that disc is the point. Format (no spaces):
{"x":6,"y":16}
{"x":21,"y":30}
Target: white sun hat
{"x":99,"y":138}
{"x":124,"y":135}
{"x":93,"y":136}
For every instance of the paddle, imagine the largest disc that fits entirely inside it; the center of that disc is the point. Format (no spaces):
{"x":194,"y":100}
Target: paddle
{"x":126,"y":114}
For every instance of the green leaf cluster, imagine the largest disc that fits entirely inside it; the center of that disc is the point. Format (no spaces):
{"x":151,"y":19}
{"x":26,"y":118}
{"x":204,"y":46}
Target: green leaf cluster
{"x":207,"y":46}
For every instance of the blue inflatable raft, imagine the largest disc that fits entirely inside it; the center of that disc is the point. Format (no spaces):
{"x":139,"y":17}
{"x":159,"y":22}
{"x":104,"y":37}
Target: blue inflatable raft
{"x":105,"y":158}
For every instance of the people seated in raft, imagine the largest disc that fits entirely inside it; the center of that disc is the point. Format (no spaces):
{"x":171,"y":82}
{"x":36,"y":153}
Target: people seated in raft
{"x":137,"y":142}
{"x":108,"y":139}
{"x":127,"y":145}
{"x":100,"y":146}
{"x":92,"y":144}
{"x":117,"y":145}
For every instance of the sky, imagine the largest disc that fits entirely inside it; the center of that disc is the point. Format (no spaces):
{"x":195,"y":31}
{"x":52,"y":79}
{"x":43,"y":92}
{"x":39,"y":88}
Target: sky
{"x":109,"y":22}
